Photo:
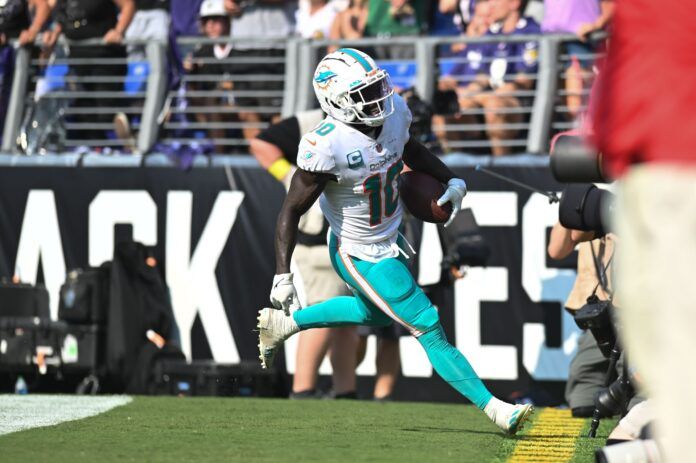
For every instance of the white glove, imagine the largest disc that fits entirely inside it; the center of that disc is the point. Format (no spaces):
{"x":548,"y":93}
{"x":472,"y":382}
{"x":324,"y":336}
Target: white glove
{"x":284,"y":294}
{"x":456,"y":190}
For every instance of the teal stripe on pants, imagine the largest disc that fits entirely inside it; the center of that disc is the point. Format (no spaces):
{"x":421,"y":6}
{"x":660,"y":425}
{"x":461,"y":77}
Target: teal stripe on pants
{"x":405,"y":301}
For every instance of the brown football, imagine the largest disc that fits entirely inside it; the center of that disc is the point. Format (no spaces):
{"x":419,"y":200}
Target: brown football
{"x":419,"y":193}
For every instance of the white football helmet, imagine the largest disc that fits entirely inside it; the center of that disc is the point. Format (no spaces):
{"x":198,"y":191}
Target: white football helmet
{"x":352,"y":89}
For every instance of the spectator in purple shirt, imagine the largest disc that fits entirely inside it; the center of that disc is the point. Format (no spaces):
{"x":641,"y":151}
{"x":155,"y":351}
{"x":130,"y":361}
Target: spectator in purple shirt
{"x":495,"y":73}
{"x":184,"y":15}
{"x":582,"y":18}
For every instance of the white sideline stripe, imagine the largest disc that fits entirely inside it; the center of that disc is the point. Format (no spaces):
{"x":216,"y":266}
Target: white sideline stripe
{"x":21,"y":412}
{"x":376,"y":298}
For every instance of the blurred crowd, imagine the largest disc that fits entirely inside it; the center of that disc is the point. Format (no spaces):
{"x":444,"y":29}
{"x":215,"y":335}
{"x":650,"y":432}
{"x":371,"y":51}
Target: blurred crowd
{"x":484,"y":95}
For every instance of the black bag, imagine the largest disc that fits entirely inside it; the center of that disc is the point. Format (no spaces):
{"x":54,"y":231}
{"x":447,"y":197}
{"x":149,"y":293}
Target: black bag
{"x":84,"y":297}
{"x":17,"y":342}
{"x":81,"y":347}
{"x":138,"y":302}
{"x":23,"y":300}
{"x":142,"y":380}
{"x":208,"y":378}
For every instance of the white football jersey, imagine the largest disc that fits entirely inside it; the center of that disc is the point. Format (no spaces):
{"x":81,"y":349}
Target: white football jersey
{"x":363,"y":205}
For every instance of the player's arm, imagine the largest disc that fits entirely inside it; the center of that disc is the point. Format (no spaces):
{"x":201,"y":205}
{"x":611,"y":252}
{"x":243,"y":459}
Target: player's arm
{"x":419,"y":158}
{"x":305,"y":188}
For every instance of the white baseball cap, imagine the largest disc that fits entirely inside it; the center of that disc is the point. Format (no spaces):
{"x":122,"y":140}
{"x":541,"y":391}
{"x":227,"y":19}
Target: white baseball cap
{"x":212,"y":8}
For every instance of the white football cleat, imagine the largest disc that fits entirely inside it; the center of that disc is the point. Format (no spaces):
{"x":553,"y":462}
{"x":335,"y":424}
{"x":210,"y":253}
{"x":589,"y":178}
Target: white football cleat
{"x":274,"y":328}
{"x":508,"y":417}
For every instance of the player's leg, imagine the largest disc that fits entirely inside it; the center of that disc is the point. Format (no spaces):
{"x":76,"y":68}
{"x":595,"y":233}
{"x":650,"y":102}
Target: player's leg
{"x":341,"y":311}
{"x":275,"y":327}
{"x":390,"y":287}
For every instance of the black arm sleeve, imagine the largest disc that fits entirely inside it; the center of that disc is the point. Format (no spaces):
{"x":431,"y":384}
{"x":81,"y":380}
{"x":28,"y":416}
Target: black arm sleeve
{"x":285,"y":135}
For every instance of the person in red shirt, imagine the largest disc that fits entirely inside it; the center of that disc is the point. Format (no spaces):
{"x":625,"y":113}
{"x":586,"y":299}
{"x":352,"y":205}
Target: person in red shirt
{"x":645,"y":126}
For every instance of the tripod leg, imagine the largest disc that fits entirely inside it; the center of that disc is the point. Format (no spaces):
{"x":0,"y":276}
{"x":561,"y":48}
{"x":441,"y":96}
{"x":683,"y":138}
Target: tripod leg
{"x":608,"y":378}
{"x":595,"y":424}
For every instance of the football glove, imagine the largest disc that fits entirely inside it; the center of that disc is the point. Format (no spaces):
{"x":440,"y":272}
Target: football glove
{"x":456,"y":190}
{"x":283,"y":293}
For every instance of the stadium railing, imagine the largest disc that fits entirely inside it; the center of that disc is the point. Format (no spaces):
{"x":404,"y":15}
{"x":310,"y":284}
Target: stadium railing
{"x":161,"y":114}
{"x":46,"y":96}
{"x":256,"y":76}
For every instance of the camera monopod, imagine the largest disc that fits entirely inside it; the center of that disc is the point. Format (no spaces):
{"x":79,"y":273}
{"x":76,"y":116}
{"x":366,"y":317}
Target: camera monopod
{"x":553,"y":197}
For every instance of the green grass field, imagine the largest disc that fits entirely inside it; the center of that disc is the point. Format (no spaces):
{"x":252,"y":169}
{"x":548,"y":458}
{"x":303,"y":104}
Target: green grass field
{"x":269,"y":430}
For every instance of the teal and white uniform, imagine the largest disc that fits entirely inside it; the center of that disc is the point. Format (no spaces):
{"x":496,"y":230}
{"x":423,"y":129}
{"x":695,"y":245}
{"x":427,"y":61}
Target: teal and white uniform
{"x":362,"y":206}
{"x":364,"y":211}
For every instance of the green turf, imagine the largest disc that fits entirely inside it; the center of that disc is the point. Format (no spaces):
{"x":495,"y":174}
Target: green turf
{"x":265,"y":430}
{"x":585,"y":446}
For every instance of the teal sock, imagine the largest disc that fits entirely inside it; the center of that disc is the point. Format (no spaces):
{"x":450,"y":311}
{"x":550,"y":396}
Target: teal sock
{"x":338,"y":311}
{"x":453,"y":367}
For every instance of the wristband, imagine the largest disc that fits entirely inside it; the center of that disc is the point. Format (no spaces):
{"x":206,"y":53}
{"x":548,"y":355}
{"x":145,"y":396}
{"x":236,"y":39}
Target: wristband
{"x":280,"y":168}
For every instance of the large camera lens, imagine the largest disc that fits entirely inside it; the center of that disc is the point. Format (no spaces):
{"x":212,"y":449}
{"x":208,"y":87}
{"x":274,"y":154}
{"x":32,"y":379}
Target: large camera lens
{"x":574,"y":161}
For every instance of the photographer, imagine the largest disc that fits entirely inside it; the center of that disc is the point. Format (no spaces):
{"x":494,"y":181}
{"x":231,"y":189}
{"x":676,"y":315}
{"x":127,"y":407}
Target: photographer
{"x":645,"y":128}
{"x":589,"y":366}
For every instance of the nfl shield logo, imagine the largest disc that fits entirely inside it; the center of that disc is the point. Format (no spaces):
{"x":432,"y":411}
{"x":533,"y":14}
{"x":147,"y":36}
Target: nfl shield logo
{"x":379,"y":147}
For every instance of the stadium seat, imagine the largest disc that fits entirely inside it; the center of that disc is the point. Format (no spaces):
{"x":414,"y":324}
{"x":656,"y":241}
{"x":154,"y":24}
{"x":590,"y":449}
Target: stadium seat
{"x":446,"y":65}
{"x":402,"y":73}
{"x":136,"y":79}
{"x":54,"y":77}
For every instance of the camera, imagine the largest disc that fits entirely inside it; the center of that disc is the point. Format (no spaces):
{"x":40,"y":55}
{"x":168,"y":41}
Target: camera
{"x":636,"y":451}
{"x":613,"y":400}
{"x":573,"y":160}
{"x":464,"y":245}
{"x":583,"y":207}
{"x":597,"y":316}
{"x":422,"y":121}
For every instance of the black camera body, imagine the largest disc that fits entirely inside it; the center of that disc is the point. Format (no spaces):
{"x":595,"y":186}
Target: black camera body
{"x":464,"y":244}
{"x":597,"y":316}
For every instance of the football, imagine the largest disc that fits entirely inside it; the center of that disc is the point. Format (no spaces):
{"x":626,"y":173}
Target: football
{"x":419,"y":193}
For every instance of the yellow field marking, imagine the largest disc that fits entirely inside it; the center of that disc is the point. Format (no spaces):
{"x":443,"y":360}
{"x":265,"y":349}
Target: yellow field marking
{"x":550,"y":440}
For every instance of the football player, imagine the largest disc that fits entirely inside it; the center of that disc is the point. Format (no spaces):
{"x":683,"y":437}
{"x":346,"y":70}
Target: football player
{"x":352,"y":161}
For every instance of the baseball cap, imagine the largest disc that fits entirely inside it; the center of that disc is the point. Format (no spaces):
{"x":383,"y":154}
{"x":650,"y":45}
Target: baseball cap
{"x":211,"y":8}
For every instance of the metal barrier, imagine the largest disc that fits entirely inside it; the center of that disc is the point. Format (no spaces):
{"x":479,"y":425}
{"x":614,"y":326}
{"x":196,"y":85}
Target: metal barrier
{"x":225,"y":102}
{"x":79,"y":97}
{"x":223,"y":111}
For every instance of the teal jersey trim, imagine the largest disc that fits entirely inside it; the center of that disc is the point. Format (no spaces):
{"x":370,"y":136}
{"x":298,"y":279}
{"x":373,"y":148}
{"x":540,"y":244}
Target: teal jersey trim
{"x":363,"y":62}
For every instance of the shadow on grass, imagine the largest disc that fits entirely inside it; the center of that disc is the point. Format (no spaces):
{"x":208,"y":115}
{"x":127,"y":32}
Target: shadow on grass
{"x":459,"y":431}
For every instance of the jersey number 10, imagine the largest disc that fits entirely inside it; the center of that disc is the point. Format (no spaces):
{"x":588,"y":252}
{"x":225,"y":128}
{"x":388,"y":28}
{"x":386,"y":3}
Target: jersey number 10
{"x":373,"y":188}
